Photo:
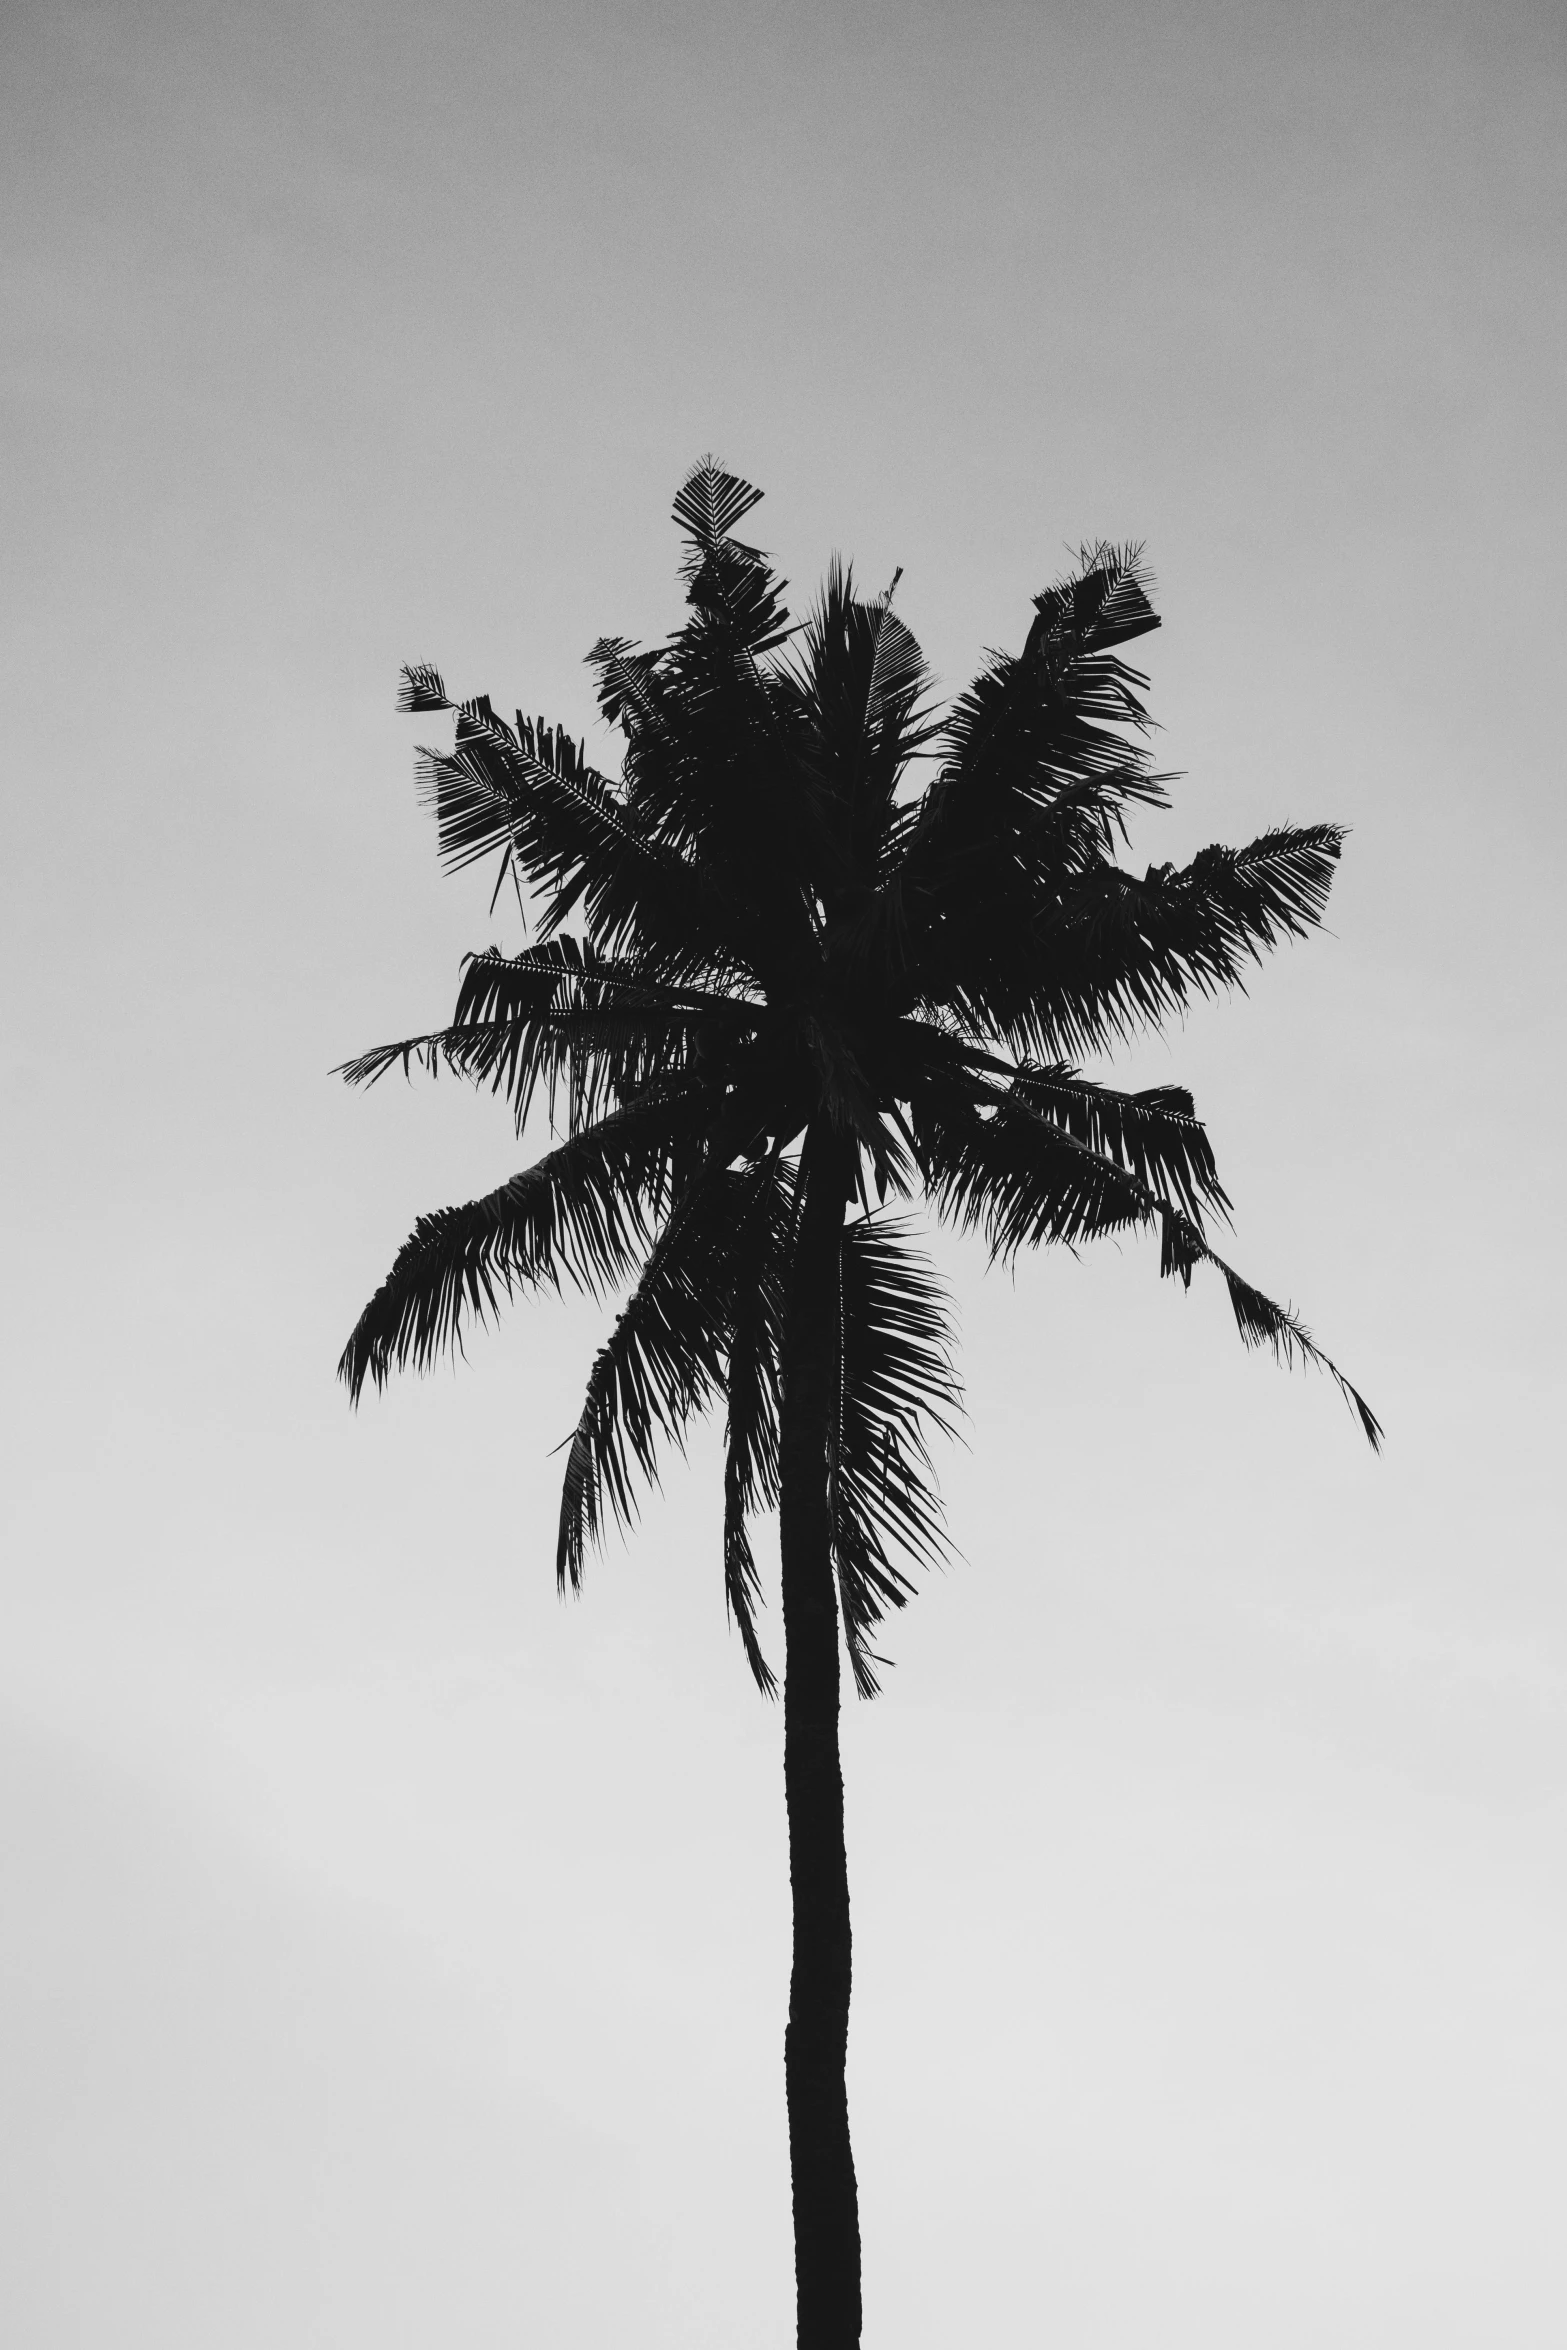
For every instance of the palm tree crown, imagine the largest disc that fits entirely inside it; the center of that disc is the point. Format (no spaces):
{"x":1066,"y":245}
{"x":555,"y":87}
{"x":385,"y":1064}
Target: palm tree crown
{"x":816,"y":925}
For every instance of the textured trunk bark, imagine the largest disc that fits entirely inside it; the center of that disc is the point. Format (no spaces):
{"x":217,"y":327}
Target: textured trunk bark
{"x":826,"y":2200}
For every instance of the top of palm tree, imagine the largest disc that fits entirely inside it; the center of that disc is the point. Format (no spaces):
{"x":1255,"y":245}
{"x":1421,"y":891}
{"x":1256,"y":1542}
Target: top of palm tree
{"x":816,"y":924}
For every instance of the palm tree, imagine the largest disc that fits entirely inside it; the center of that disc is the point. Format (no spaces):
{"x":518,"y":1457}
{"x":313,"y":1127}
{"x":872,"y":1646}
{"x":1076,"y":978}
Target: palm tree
{"x":795,"y":978}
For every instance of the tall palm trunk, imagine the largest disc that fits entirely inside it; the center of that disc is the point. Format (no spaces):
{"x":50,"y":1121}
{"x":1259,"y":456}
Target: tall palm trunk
{"x":826,"y":2200}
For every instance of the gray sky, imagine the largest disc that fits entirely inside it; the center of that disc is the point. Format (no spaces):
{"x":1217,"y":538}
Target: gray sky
{"x":391,"y":1955}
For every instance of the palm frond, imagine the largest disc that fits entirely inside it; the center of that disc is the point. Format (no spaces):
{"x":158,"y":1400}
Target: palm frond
{"x":860,"y":678}
{"x":531,"y":796}
{"x":743,"y":1585}
{"x":899,"y":673}
{"x":1101,"y":955}
{"x":1259,"y":1320}
{"x":1064,"y":703}
{"x":1040,"y":765}
{"x":710,"y":501}
{"x":711,"y":771}
{"x":662,"y":1361}
{"x":599,"y":1058}
{"x":727,"y":583}
{"x":627,"y":684}
{"x":753,"y":1390}
{"x":566,"y":974}
{"x":420,"y":688}
{"x":585,"y":1211}
{"x":994,"y":1163}
{"x":1115,"y":955}
{"x":1156,"y":1134}
{"x":475,"y":791}
{"x":1103,"y":603}
{"x":667,"y":1355}
{"x":561,"y":1017}
{"x":896,"y":1382}
{"x":1225,"y":907}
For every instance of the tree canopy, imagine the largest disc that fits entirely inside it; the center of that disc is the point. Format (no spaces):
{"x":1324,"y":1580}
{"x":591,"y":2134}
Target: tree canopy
{"x":812,"y":904}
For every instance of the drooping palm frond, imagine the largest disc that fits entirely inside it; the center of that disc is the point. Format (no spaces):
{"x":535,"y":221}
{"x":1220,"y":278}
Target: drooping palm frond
{"x":703,"y":1319}
{"x":1156,"y":1134}
{"x":1259,"y":1320}
{"x":995,"y":1165}
{"x":662,"y":1361}
{"x":896,"y":1382}
{"x":1000,"y":1167}
{"x":753,"y":1390}
{"x":583,"y":1211}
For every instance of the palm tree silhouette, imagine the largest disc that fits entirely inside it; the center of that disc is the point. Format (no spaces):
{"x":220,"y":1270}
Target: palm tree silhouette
{"x":796,"y":979}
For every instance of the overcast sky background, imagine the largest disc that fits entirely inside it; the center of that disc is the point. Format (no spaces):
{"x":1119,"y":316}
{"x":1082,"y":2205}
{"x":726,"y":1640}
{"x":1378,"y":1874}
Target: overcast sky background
{"x":392,"y":1955}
